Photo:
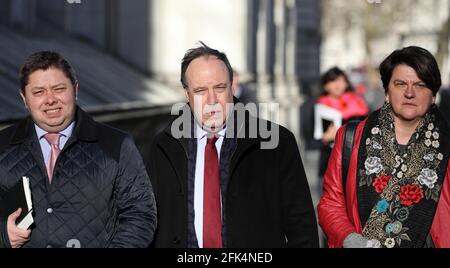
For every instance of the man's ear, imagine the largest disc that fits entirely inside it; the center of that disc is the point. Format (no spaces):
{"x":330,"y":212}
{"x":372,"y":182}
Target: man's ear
{"x":233,"y":89}
{"x":187,"y":94}
{"x":75,"y":88}
{"x":22,"y":94}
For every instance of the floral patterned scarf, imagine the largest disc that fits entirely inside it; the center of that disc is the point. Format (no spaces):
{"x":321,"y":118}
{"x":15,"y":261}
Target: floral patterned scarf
{"x":398,"y":190}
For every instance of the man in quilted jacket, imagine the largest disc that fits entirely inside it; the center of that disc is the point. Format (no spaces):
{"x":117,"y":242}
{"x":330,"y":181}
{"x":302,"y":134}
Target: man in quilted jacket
{"x":88,"y":183}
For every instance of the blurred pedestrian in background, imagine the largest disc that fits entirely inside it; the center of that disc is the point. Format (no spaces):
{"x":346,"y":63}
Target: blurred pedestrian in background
{"x":243,"y":92}
{"x":338,"y":93}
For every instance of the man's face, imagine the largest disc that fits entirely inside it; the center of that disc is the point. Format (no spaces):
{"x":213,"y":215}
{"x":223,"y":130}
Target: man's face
{"x":209,"y":91}
{"x":50,"y":98}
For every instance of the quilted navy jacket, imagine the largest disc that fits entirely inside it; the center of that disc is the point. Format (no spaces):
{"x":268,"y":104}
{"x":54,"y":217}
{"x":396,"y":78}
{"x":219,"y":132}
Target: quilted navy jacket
{"x":100,"y":195}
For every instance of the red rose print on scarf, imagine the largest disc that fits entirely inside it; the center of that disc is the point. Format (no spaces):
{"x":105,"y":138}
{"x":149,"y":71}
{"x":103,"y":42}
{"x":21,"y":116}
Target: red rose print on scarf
{"x":380,"y":183}
{"x":411,"y":194}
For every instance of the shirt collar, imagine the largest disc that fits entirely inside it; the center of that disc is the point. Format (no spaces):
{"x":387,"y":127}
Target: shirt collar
{"x":201,"y":133}
{"x":67,"y":132}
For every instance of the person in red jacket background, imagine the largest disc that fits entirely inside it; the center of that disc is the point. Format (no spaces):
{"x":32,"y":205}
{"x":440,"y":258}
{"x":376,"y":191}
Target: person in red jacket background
{"x":338,"y":93}
{"x":397,"y":189}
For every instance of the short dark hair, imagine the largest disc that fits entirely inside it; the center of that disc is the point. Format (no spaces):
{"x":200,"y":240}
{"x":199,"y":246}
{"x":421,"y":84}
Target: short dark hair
{"x":420,"y":59}
{"x":44,"y":60}
{"x":202,"y":51}
{"x":333,"y":74}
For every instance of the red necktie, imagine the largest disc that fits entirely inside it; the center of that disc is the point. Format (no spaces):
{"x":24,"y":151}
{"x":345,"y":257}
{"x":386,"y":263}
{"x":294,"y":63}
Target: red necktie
{"x":212,"y":215}
{"x":53,"y":140}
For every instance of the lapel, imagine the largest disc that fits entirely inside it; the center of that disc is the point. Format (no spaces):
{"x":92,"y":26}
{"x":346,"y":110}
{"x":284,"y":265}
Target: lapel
{"x":242,"y":144}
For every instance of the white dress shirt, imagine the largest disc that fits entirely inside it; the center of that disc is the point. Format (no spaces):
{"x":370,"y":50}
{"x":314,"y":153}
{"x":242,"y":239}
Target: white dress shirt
{"x":199,"y":173}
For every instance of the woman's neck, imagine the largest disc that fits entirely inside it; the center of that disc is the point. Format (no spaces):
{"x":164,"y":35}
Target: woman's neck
{"x":405,"y":129}
{"x":335,"y":97}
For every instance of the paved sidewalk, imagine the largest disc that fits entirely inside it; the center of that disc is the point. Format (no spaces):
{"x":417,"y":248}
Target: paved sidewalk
{"x":310,"y":161}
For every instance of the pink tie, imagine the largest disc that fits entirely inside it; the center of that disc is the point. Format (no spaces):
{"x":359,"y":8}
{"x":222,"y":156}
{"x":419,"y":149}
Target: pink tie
{"x":53,"y":140}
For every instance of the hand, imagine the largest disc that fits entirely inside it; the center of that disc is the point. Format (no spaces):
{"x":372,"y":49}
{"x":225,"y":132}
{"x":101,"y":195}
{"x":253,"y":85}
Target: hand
{"x":17,"y":236}
{"x":329,"y":135}
{"x":355,"y":240}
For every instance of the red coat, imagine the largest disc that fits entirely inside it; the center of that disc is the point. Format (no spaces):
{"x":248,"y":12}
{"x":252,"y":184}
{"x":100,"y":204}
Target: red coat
{"x":350,"y":104}
{"x":339,"y":215}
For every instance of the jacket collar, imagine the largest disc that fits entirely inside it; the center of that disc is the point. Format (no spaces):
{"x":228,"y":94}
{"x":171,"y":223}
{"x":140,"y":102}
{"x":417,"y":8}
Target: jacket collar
{"x":241,"y":128}
{"x":169,"y":144}
{"x":84,"y":130}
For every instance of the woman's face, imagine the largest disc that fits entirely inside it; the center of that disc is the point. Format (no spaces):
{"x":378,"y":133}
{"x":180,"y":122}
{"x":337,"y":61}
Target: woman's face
{"x":336,"y":87}
{"x":409,"y":96}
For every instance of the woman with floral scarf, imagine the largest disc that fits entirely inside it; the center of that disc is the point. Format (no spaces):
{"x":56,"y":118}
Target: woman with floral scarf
{"x":397,"y":192}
